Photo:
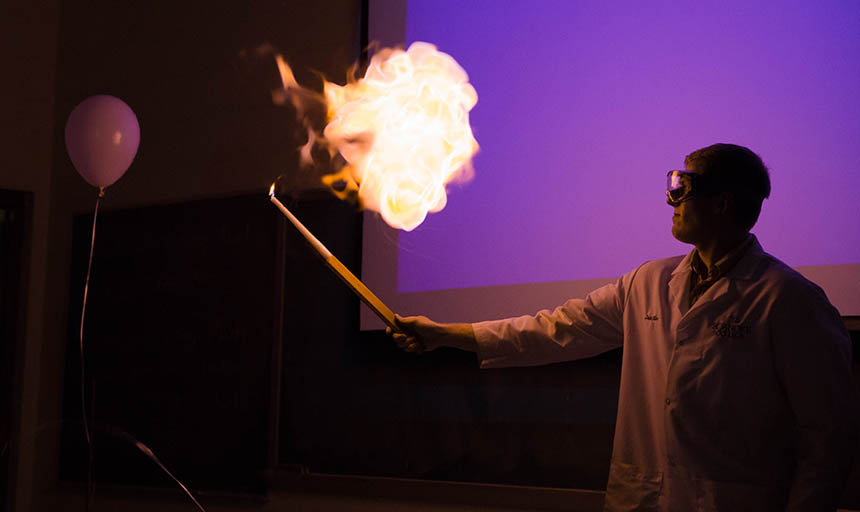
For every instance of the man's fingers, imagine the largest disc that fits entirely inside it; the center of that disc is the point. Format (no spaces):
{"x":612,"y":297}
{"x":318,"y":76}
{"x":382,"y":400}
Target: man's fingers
{"x":404,"y":337}
{"x":414,"y":347}
{"x":403,"y":341}
{"x":407,"y":343}
{"x":409,"y":324}
{"x":401,"y":324}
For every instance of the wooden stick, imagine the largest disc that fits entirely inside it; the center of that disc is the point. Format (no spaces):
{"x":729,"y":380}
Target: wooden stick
{"x":354,"y":283}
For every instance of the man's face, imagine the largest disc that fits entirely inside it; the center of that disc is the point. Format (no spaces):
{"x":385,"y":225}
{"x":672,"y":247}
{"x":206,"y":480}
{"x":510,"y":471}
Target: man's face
{"x":692,"y":220}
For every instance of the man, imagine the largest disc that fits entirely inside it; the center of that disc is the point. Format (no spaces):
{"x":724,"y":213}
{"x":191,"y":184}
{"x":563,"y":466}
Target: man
{"x":736,"y":388}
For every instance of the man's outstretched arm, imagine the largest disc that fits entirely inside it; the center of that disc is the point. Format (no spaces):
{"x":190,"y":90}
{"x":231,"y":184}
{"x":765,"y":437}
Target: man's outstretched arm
{"x":577,"y":329}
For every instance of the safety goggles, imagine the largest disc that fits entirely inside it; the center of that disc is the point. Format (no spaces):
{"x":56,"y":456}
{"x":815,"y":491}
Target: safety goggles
{"x":681,"y":185}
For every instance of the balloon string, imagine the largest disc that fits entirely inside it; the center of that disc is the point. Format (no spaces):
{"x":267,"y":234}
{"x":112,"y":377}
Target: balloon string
{"x":145,"y":449}
{"x":83,"y":313}
{"x":142,"y":447}
{"x":90,"y":481}
{"x":119,"y":434}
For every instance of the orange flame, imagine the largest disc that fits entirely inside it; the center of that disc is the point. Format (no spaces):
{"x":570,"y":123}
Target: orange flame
{"x":403,"y":130}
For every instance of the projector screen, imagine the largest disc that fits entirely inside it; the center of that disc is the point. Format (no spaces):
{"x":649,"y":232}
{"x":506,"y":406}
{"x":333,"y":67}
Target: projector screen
{"x":582,"y":109}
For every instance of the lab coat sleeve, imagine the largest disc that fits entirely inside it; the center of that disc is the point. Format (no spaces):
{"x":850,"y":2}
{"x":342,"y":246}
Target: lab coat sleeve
{"x":812,"y":355}
{"x":577,"y":329}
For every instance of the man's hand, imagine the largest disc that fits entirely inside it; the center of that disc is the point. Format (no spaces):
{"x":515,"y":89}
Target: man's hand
{"x":419,"y":334}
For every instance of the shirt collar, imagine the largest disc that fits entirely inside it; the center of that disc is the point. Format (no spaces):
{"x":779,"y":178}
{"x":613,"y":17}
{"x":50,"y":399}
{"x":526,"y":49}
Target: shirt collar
{"x":723,"y":265}
{"x":746,"y":253}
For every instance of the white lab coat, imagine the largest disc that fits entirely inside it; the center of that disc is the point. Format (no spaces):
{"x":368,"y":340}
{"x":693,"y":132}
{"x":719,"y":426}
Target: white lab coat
{"x":744,"y":401}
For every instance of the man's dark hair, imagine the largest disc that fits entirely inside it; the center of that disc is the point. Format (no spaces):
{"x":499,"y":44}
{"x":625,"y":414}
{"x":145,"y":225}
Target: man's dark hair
{"x":737,"y":170}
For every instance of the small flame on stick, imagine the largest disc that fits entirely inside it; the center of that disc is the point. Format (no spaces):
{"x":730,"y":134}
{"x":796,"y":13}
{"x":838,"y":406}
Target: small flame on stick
{"x":338,"y":268}
{"x":403,"y":130}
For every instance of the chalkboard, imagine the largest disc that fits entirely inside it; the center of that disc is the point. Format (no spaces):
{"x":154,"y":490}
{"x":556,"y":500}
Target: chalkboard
{"x":216,"y":336}
{"x":353,"y":404}
{"x":182,"y":321}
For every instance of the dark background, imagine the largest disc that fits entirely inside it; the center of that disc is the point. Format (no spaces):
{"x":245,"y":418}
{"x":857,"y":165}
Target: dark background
{"x":16,"y":218}
{"x":179,"y":341}
{"x":182,"y":319}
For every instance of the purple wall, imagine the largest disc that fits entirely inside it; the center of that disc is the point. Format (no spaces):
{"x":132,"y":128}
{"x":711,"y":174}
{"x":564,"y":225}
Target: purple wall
{"x":584,"y":106}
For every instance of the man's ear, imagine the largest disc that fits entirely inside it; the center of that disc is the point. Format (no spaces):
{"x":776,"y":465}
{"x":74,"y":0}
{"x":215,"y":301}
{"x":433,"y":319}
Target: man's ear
{"x":723,"y":203}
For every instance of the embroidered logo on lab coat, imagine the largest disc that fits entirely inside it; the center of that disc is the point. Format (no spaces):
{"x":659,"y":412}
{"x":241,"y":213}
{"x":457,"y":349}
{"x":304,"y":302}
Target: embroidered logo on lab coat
{"x":730,"y":329}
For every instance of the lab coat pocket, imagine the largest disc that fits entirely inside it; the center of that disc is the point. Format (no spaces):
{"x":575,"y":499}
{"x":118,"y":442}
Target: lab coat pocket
{"x":631,"y":488}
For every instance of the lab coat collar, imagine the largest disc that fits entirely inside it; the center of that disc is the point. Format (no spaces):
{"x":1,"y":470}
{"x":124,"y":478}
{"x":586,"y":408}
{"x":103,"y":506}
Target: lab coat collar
{"x":748,"y":265}
{"x":685,"y":267}
{"x":745,"y":269}
{"x":679,"y":285}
